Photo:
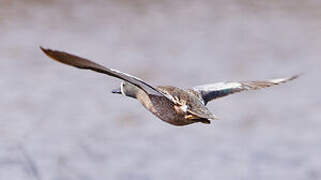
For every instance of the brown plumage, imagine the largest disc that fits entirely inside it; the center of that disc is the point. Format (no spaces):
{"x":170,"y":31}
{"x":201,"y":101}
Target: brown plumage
{"x":171,"y":104}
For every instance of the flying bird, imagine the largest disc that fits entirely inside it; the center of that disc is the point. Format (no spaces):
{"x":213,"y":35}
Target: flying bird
{"x":171,"y":104}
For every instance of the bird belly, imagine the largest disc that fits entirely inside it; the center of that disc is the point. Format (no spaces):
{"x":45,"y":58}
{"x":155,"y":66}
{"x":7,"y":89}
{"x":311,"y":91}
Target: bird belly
{"x":165,"y":110}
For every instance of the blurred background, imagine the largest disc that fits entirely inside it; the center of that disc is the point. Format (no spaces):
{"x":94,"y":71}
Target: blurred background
{"x":61,"y":123}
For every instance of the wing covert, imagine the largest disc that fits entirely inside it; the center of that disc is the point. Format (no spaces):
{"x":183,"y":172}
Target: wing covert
{"x":212,"y":91}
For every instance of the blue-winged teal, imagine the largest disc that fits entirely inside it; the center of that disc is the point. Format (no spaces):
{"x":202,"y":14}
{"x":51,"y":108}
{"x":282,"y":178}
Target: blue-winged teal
{"x":171,"y":104}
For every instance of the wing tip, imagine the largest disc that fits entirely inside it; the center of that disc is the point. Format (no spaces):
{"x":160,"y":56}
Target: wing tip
{"x":295,"y":76}
{"x":61,"y":57}
{"x":284,"y":80}
{"x":48,"y":52}
{"x":44,"y":50}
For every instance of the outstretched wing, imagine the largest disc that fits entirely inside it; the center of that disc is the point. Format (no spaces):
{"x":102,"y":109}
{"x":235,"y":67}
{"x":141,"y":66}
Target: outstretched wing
{"x":209,"y":92}
{"x":83,"y":63}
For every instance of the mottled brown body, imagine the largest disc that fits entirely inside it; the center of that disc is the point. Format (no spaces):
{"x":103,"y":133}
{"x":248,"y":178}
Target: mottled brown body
{"x":171,"y":104}
{"x":171,"y":113}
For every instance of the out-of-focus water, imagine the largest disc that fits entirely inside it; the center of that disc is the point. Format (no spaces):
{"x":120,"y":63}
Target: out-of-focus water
{"x":61,"y":123}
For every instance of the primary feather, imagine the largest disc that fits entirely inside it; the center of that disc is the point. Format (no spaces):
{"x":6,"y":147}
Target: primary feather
{"x":83,"y":63}
{"x":209,"y":92}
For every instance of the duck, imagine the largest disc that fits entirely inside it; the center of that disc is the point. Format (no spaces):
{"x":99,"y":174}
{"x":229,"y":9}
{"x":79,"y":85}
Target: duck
{"x":171,"y":104}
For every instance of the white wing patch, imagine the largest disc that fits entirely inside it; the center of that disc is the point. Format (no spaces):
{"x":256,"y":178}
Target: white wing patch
{"x":278,"y":80}
{"x":145,"y":86}
{"x":218,"y":86}
{"x":125,"y":74}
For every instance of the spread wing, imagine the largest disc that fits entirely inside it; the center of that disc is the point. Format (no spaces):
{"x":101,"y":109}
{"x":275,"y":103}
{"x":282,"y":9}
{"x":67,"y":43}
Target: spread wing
{"x":209,"y":92}
{"x":83,"y":63}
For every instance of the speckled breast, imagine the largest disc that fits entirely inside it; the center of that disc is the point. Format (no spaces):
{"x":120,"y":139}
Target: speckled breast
{"x":163,"y":109}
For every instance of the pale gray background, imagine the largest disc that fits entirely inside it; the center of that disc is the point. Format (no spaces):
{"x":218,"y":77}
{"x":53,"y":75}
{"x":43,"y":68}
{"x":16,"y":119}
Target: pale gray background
{"x":61,"y":123}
